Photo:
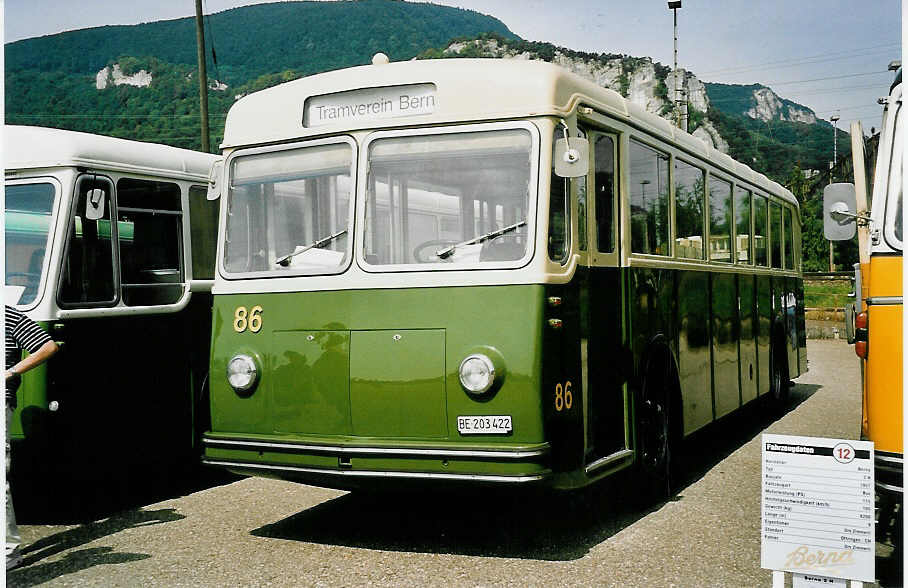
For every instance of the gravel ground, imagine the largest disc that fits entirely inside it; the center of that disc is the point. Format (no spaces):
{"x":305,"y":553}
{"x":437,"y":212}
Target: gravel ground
{"x":259,"y":532}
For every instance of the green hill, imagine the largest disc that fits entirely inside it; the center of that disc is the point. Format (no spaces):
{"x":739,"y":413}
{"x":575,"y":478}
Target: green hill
{"x":50,"y":81}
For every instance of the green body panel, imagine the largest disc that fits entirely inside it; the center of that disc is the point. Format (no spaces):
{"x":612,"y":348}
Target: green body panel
{"x":725,"y":343}
{"x":369,"y":386}
{"x":310,"y":384}
{"x":31,"y":400}
{"x":397,"y":384}
{"x":694,"y":349}
{"x":748,"y":346}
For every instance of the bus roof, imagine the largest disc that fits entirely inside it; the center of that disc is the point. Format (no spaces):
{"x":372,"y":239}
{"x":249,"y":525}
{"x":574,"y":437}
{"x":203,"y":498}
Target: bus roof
{"x":26,"y":148}
{"x":463,"y":90}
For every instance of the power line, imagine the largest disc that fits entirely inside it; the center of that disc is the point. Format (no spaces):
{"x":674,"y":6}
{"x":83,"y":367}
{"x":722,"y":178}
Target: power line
{"x":840,"y":55}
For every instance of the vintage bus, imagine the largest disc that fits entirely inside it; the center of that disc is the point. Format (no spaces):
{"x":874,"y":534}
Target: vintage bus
{"x":874,"y":322}
{"x":489,"y":272}
{"x":110,"y":247}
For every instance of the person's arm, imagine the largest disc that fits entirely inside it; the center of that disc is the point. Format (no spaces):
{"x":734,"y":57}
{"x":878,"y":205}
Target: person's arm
{"x":34,"y":360}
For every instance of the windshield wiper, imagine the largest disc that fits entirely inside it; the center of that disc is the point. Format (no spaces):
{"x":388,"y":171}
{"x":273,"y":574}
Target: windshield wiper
{"x":285,"y":260}
{"x":447,"y":251}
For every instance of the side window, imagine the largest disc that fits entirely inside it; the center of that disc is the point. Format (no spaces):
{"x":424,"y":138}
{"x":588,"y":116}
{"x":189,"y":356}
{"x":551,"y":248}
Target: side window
{"x":649,"y":200}
{"x":559,"y":217}
{"x":149,"y":222}
{"x":789,"y":241}
{"x":760,"y":257}
{"x":89,"y":277}
{"x":742,"y":225}
{"x":582,"y":206}
{"x":775,"y":234}
{"x":689,"y":191}
{"x":605,"y":193}
{"x":203,"y":232}
{"x":719,"y":220}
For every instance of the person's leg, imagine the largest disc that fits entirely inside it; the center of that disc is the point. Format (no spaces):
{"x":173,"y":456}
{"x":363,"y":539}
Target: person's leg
{"x":13,"y":540}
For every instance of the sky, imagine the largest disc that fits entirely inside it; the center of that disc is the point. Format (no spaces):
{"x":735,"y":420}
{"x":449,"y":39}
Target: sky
{"x":828,"y":55}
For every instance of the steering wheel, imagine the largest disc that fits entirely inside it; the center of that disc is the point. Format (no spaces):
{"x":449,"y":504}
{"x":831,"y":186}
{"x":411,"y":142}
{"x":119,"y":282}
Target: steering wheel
{"x":507,"y":247}
{"x":425,"y":251}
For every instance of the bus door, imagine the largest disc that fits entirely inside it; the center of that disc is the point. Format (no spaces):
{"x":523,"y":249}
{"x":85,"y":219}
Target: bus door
{"x":602,"y":303}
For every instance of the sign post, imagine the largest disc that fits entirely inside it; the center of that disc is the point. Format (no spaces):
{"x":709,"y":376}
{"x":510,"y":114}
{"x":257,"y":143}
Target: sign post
{"x":818,"y":510}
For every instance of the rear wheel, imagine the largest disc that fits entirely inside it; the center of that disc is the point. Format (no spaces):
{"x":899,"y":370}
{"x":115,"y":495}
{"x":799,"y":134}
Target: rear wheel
{"x":655,"y":436}
{"x":778,"y":376}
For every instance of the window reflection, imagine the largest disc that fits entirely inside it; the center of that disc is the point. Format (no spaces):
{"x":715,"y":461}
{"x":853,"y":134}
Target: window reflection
{"x":649,"y":200}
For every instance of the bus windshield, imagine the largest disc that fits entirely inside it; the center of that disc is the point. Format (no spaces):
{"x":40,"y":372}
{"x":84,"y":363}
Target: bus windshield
{"x":29,"y":212}
{"x":448,"y":200}
{"x":289,"y":211}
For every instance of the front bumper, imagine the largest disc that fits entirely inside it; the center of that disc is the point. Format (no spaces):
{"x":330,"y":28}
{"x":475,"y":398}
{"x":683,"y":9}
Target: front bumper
{"x":349,"y":463}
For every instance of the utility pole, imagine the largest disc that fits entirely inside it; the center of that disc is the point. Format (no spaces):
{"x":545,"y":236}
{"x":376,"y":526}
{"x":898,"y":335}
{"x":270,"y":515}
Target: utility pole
{"x":674,"y":5}
{"x":203,"y":74}
{"x":835,"y":158}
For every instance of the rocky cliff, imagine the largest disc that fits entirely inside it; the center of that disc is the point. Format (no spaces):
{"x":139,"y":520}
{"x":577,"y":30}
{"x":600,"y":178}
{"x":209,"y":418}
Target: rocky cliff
{"x":639,"y":79}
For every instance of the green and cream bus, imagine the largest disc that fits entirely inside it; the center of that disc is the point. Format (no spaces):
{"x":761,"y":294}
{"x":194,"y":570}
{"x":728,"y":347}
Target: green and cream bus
{"x":486,"y":271}
{"x":110,"y":247}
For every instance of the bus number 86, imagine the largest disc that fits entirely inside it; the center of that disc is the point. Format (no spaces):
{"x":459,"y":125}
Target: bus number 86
{"x":564,"y":399}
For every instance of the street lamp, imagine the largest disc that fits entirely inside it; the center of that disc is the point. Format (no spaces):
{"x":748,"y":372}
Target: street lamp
{"x":674,"y":5}
{"x":835,"y":157}
{"x":835,"y":142}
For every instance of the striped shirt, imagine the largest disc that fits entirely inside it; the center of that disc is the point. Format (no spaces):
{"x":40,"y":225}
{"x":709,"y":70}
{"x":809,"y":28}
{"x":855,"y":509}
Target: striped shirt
{"x":21,"y":333}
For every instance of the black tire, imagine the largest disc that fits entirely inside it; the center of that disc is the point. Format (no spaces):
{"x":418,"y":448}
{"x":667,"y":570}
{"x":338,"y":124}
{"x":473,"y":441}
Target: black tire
{"x":656,"y":435}
{"x":778,"y":376}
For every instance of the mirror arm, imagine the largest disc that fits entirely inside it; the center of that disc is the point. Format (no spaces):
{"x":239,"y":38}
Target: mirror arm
{"x":570,"y":155}
{"x":862,"y":218}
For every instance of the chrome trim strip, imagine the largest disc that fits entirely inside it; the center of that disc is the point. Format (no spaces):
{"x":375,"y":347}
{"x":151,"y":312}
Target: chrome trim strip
{"x":889,"y":487}
{"x":884,"y":300}
{"x":602,"y":462}
{"x":302,"y":448}
{"x":376,"y":474}
{"x":889,"y":458}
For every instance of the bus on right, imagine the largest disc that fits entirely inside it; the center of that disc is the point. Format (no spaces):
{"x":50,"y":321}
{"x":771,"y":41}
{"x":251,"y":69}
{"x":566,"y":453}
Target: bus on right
{"x":874,"y":322}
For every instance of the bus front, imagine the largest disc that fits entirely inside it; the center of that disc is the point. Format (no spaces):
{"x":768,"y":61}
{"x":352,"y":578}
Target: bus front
{"x":383,"y":308}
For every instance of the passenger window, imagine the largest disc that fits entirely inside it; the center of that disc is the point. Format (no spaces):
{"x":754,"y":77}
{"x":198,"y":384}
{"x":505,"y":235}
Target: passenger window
{"x":789,"y":242}
{"x":88,"y":271}
{"x":149,"y":222}
{"x":649,"y":200}
{"x":689,"y":191}
{"x":742,"y":225}
{"x":203,"y":232}
{"x":719,"y":220}
{"x":775,"y":234}
{"x":605,"y":193}
{"x":760,"y":257}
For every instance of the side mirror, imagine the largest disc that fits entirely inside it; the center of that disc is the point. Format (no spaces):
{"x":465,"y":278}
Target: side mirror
{"x":215,"y":178}
{"x":95,"y":201}
{"x":839,"y":212}
{"x":571,"y":160}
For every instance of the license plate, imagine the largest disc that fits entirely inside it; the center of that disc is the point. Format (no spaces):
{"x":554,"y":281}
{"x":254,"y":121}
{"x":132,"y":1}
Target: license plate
{"x":479,"y":425}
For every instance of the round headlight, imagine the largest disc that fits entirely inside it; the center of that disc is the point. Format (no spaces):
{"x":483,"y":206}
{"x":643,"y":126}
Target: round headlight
{"x":242,"y":373}
{"x":477,"y":373}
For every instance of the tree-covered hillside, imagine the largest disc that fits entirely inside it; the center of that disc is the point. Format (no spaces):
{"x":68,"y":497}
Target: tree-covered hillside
{"x":50,"y":81}
{"x":306,"y":37}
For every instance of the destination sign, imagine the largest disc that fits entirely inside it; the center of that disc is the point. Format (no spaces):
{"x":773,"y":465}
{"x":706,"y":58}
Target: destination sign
{"x":370,"y":104}
{"x":818,"y":507}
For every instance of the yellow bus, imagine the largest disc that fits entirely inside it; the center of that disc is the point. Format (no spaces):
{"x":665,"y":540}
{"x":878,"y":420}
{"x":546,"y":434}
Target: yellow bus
{"x":875,"y":325}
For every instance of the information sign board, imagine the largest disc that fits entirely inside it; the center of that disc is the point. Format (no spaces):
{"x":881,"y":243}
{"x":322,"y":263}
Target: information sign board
{"x":818,"y":505}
